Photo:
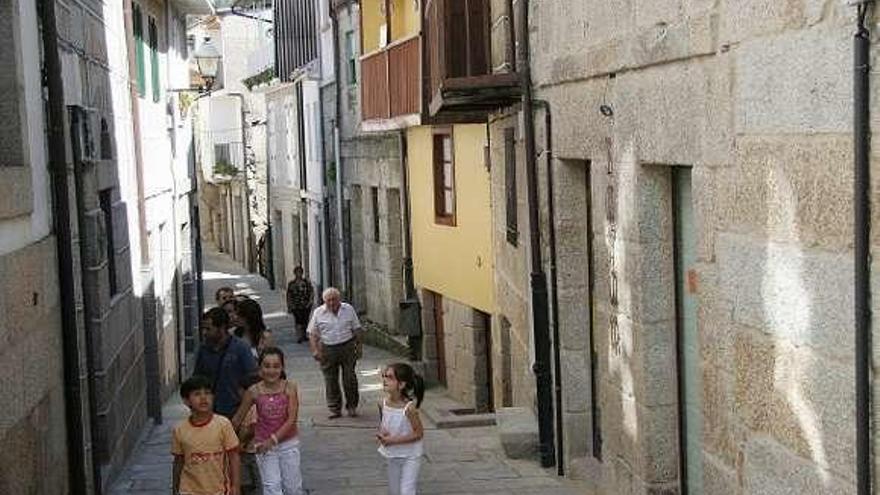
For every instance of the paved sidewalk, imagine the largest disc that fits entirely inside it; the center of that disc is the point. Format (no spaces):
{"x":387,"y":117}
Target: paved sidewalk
{"x":339,"y":457}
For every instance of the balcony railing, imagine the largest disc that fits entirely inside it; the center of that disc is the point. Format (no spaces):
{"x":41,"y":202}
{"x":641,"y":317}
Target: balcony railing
{"x":391,"y":81}
{"x":461,"y":83}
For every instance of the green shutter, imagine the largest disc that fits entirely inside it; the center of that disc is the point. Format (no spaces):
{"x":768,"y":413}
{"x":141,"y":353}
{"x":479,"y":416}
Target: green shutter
{"x":138,"y":28}
{"x":154,"y":59}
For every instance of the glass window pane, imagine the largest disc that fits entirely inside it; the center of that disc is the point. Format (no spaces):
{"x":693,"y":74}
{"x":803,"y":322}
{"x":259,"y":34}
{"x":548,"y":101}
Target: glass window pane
{"x":447,"y":148}
{"x":449,"y":199}
{"x":447,"y":175}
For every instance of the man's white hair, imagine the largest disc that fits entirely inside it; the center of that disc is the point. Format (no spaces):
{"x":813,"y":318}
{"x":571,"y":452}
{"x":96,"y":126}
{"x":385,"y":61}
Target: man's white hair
{"x":329,"y":292}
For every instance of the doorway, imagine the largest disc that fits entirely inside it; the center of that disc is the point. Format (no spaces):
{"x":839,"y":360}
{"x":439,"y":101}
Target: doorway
{"x":280,"y":252}
{"x":487,"y":362}
{"x":437,"y":309}
{"x":687,"y":338}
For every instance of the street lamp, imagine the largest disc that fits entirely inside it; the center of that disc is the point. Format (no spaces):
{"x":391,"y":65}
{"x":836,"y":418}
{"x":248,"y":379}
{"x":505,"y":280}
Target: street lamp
{"x":208,"y":61}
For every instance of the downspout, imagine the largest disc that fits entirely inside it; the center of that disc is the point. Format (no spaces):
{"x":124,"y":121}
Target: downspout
{"x":337,"y":152}
{"x":326,"y":235}
{"x":268,"y":242}
{"x":861,"y":245}
{"x":538,"y":279}
{"x":81,"y":481}
{"x":196,"y":238}
{"x":554,"y":285}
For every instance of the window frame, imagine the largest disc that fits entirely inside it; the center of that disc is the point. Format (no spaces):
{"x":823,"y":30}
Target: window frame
{"x":444,"y":214}
{"x":105,"y":200}
{"x":351,"y":56}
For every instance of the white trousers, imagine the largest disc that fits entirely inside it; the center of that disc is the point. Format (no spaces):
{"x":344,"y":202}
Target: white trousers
{"x":403,"y":475}
{"x":279,"y":469}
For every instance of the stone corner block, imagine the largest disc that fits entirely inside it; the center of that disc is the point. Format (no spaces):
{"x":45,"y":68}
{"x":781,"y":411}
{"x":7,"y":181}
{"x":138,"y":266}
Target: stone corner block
{"x":518,"y":430}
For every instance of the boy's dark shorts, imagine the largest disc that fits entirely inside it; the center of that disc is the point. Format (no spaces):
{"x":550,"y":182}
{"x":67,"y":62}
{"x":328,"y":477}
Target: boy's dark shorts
{"x":251,"y":484}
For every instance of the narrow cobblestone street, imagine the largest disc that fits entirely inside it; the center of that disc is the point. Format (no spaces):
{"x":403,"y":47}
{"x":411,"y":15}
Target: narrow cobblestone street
{"x":339,"y":457}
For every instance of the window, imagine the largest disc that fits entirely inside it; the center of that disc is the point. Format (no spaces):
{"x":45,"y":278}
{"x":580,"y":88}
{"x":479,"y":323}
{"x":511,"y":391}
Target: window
{"x":374,"y":192}
{"x":351,"y":57}
{"x":221,"y":153}
{"x":106,"y":200}
{"x":106,"y":141}
{"x":444,"y":178}
{"x":154,"y":58}
{"x":510,"y":185}
{"x":137,"y":23}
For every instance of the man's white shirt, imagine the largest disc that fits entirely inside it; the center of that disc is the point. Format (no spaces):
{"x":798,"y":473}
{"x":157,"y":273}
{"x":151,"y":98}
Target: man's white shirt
{"x":333,"y":329}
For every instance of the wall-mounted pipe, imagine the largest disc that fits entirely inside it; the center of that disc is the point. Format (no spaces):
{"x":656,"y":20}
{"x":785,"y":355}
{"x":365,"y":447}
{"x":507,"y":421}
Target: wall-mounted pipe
{"x":81,"y":480}
{"x":537,"y":278}
{"x":342,"y":277}
{"x":862,"y":247}
{"x":554,"y":284}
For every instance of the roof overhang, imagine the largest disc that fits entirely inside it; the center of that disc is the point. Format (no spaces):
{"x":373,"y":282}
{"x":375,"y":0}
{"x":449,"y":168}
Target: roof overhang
{"x":195,"y":7}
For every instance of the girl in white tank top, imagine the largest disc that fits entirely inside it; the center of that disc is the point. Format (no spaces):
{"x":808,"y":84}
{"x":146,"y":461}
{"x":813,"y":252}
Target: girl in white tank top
{"x":400,"y":432}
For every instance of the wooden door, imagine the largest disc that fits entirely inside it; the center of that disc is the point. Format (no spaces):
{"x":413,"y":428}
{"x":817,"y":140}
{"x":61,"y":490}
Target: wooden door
{"x":440,"y":337}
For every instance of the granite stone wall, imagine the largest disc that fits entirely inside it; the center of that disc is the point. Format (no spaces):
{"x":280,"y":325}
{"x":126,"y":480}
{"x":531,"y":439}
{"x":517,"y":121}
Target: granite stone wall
{"x":755,"y":98}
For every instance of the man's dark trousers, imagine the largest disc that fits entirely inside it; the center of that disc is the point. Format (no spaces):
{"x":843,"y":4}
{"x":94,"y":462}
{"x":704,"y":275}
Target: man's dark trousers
{"x":342,"y":356}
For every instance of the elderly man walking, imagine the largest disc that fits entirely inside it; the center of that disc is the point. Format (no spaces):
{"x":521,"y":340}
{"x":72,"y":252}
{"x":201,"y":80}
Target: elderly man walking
{"x":335,"y":341}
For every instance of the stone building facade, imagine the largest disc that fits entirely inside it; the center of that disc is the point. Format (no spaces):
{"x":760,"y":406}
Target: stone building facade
{"x":87,"y":367}
{"x":290,"y":242}
{"x":371,"y":175}
{"x":701,"y":166}
{"x":231,"y":134}
{"x":33,"y":429}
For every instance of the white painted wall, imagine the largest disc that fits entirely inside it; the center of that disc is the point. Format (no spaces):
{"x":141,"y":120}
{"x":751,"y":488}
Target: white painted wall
{"x":314,"y":191}
{"x":17,"y":233}
{"x":325,"y":27}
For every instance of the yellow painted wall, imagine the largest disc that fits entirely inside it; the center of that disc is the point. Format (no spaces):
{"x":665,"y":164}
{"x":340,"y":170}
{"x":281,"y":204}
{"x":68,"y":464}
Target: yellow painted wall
{"x":404,"y":21}
{"x":454,"y":261}
{"x":371,"y":20}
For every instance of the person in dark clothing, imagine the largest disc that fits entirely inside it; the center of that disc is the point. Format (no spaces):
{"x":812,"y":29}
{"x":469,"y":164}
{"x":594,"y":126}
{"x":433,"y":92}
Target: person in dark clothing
{"x":224,"y":359}
{"x":251,"y":327}
{"x":300,"y":299}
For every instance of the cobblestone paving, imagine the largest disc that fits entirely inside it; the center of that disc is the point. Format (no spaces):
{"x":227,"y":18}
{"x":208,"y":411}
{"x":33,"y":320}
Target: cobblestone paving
{"x":339,"y":457}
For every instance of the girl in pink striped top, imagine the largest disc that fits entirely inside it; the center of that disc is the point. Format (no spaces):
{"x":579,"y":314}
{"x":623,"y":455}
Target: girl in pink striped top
{"x":275,"y":437}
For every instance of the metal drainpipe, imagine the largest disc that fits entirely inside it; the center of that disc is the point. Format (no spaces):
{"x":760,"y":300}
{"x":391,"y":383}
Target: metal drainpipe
{"x":326,"y":234}
{"x":80,"y":479}
{"x":197,"y":237}
{"x":554,"y":285}
{"x":337,"y":151}
{"x":538,"y":279}
{"x":861,"y":246}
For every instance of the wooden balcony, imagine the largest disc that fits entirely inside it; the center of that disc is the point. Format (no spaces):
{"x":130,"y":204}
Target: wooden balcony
{"x":391,"y":84}
{"x":461,"y":85}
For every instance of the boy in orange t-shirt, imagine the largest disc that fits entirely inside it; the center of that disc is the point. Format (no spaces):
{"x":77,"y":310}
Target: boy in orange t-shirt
{"x":205,"y":446}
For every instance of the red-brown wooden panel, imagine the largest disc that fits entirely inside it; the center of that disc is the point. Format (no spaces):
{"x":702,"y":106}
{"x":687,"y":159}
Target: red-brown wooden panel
{"x":404,"y":77}
{"x":374,"y":86}
{"x":435,"y":28}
